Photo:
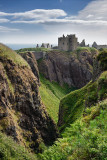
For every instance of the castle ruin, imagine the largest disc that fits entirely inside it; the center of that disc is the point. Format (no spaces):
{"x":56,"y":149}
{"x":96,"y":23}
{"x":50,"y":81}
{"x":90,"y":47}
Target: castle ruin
{"x":95,"y":45}
{"x":46,"y":45}
{"x":68,"y":43}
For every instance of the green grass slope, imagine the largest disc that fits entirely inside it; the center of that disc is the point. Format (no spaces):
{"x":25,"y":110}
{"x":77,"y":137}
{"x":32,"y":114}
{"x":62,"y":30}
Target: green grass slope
{"x":73,"y":105}
{"x":51,"y":94}
{"x":10,"y":150}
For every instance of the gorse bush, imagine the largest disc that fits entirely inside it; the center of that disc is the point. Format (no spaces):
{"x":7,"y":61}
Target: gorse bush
{"x":82,"y":140}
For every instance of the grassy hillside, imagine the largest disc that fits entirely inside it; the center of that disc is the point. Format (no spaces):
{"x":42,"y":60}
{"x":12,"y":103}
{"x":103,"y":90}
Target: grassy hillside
{"x":51,"y":94}
{"x":83,"y":120}
{"x":74,"y":103}
{"x":9,"y":54}
{"x":83,"y":140}
{"x":10,"y":150}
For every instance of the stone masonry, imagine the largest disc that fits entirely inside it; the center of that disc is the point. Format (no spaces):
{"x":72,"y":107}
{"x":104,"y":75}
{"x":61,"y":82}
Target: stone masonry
{"x":68,"y":43}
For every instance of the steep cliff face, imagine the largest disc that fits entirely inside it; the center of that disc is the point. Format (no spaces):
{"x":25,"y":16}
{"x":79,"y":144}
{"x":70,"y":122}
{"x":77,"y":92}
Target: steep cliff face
{"x":30,"y":58}
{"x":22,"y":115}
{"x":74,"y":68}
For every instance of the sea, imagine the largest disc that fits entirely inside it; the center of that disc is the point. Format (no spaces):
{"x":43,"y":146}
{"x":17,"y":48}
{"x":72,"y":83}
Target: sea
{"x":20,"y":46}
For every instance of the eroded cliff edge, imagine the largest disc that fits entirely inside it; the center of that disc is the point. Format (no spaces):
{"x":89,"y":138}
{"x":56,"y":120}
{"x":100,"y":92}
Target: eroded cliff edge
{"x":22,"y":114}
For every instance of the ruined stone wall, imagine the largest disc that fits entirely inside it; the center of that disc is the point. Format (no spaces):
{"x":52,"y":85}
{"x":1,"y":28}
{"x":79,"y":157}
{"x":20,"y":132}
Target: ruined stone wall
{"x":95,"y":45}
{"x":101,"y":46}
{"x":39,"y":55}
{"x":46,"y":45}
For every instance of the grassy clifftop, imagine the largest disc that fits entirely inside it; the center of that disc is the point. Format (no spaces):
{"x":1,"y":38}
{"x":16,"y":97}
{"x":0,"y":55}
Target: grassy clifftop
{"x":9,"y":54}
{"x":33,"y":49}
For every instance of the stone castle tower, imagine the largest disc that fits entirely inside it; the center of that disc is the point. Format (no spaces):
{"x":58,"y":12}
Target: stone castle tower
{"x":68,"y":43}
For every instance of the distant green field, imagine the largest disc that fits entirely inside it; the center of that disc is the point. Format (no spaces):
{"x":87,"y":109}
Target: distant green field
{"x":51,"y":93}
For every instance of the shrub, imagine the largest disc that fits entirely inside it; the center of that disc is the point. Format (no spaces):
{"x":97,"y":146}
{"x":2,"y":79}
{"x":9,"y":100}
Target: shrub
{"x":10,"y":150}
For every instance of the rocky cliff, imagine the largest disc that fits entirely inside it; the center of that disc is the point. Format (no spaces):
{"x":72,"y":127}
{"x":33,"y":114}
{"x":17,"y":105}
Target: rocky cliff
{"x":31,"y":60}
{"x":22,"y":115}
{"x":73,"y":68}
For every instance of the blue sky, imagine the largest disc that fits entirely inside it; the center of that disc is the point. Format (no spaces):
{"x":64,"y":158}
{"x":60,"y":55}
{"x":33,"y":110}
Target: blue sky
{"x":70,"y":6}
{"x":37,"y":21}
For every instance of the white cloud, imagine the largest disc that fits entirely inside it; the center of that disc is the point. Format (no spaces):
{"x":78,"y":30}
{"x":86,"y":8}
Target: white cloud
{"x":37,"y":14}
{"x":3,"y":20}
{"x":93,"y":14}
{"x":97,"y":9}
{"x":64,"y":21}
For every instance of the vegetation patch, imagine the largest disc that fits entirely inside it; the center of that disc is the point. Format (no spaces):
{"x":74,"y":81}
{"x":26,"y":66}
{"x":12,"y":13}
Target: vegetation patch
{"x":88,"y":49}
{"x":10,"y":85}
{"x":10,"y":150}
{"x":102,"y":58}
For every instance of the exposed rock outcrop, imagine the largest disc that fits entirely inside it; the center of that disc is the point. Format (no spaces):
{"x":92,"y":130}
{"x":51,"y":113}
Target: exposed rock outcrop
{"x":75,"y":69}
{"x":22,"y":115}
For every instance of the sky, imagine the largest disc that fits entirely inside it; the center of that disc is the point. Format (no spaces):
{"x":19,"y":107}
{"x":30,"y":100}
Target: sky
{"x":43,"y":21}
